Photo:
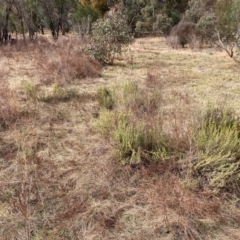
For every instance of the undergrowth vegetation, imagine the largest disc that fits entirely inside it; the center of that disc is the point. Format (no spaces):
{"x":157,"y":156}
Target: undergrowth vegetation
{"x":51,"y":62}
{"x":105,"y":98}
{"x":138,"y":126}
{"x":218,"y":149}
{"x":112,"y":157}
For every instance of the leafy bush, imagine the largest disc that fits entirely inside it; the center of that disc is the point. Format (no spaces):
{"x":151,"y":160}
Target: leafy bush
{"x":163,"y":24}
{"x":228,"y":17}
{"x":218,"y":149}
{"x":139,"y":143}
{"x":205,"y":28}
{"x":202,"y":14}
{"x":109,"y":36}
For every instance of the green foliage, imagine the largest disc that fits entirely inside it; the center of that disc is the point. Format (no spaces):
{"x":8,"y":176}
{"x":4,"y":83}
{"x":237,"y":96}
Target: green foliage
{"x":147,"y":18}
{"x":214,"y":16}
{"x":205,"y":28}
{"x":218,"y":148}
{"x":137,"y":142}
{"x":160,"y":16}
{"x":202,"y":14}
{"x":104,"y":125}
{"x":163,"y":24}
{"x":228,"y":17}
{"x":132,"y":11}
{"x":109,"y":36}
{"x":100,"y":5}
{"x":196,"y":9}
{"x":135,"y":126}
{"x":86,"y":11}
{"x":105,"y":98}
{"x":84,"y":16}
{"x":21,"y":16}
{"x":143,"y":26}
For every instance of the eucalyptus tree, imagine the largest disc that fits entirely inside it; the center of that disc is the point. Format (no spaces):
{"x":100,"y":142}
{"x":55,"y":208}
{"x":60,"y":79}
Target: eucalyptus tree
{"x":84,"y":17}
{"x":132,"y":11}
{"x":28,"y":12}
{"x":56,"y":14}
{"x":228,"y":26}
{"x":5,"y":11}
{"x":152,"y":15}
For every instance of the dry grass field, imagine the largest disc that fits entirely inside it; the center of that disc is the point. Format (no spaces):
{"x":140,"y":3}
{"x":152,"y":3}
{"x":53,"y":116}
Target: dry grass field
{"x":60,"y":174}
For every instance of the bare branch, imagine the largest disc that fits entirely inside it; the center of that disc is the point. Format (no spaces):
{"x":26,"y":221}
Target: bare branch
{"x":224,"y":47}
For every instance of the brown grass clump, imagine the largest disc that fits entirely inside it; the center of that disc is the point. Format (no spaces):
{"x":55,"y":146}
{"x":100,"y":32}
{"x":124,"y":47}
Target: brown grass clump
{"x":66,"y":61}
{"x":9,"y":106}
{"x":152,"y":79}
{"x":73,"y":65}
{"x":47,"y":61}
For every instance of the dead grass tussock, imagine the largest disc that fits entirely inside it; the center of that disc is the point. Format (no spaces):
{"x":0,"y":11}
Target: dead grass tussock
{"x":66,"y":61}
{"x":10,"y":109}
{"x":47,"y":61}
{"x":70,"y":65}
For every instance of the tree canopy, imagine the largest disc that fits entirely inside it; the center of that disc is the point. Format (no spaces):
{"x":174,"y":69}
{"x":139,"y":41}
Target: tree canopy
{"x":28,"y":17}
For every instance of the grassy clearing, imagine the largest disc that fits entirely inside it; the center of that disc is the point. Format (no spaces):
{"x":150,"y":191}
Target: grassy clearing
{"x":63,"y":138}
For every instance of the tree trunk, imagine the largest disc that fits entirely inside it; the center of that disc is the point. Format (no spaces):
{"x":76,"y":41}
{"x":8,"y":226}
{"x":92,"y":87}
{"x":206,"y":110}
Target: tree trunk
{"x":5,"y":23}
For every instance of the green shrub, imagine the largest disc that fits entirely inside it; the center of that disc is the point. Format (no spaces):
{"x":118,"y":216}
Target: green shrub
{"x":205,"y":28}
{"x":228,"y":17}
{"x":105,"y":98}
{"x":163,"y":24}
{"x":109,"y":36}
{"x":134,"y":126}
{"x":218,"y":149}
{"x":139,"y":143}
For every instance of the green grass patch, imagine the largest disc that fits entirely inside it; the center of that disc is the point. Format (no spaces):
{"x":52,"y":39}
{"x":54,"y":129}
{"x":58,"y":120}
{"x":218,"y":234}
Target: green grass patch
{"x":53,"y":94}
{"x":105,"y":98}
